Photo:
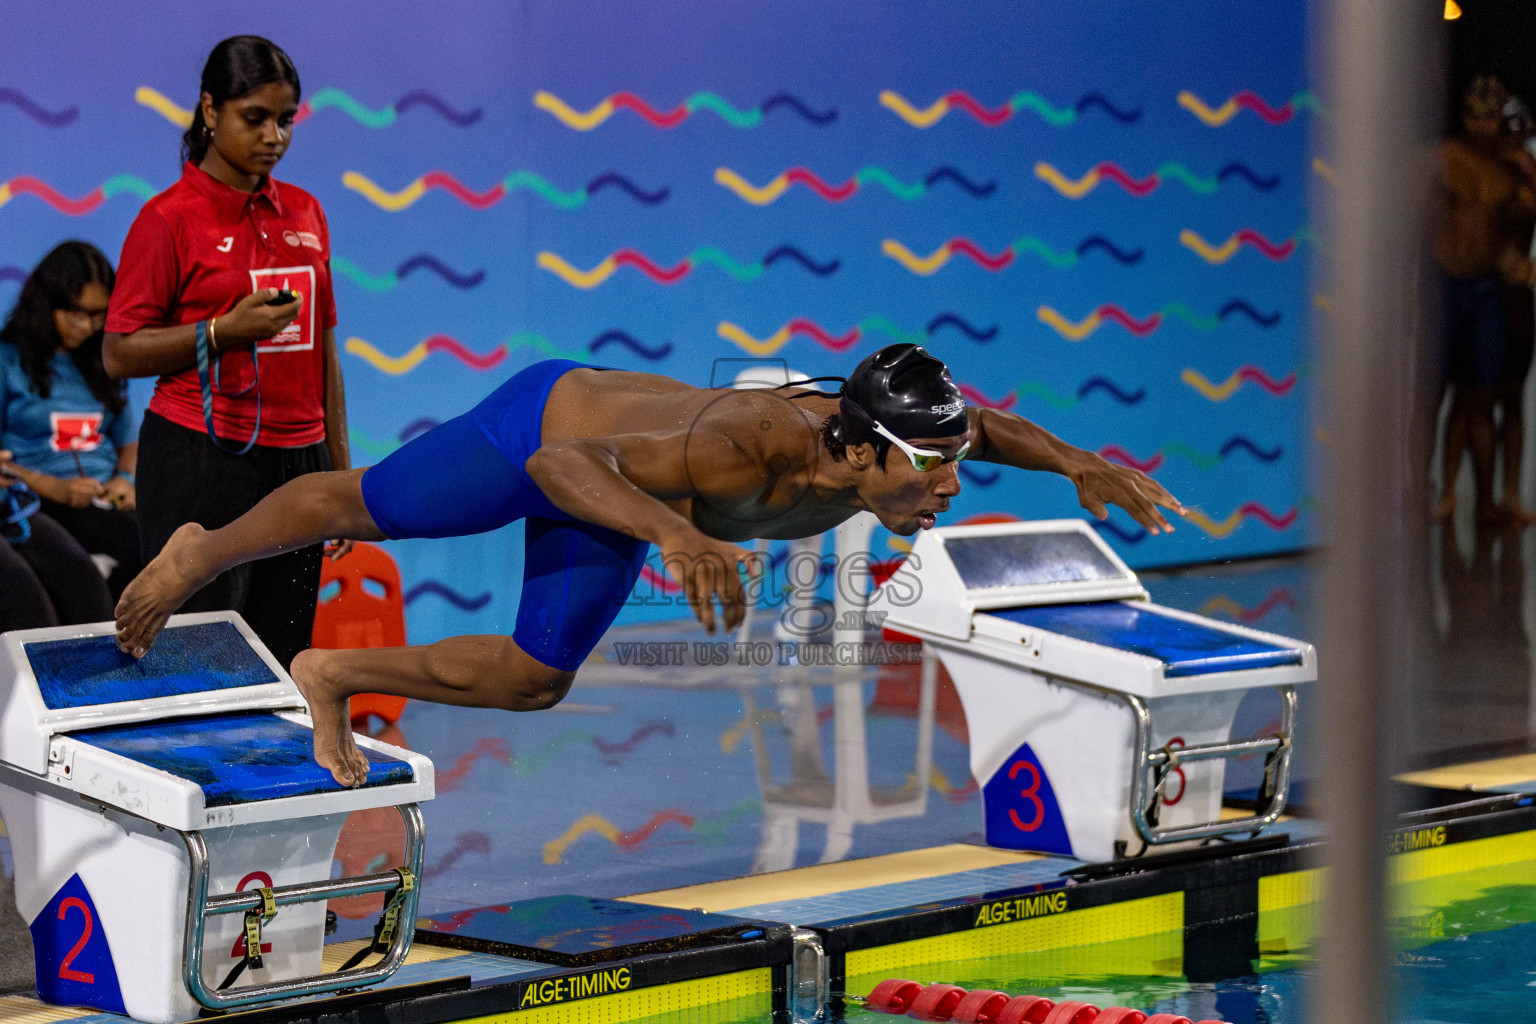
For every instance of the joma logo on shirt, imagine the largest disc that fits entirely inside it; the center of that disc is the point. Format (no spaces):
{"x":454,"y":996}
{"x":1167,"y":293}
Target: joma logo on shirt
{"x":298,"y":238}
{"x":75,"y":431}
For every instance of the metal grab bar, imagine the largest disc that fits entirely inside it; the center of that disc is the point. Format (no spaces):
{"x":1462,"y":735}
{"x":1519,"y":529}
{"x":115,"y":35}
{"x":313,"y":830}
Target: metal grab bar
{"x":200,"y":907}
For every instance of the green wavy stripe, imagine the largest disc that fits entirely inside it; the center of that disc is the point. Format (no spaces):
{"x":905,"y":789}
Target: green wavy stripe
{"x":1189,"y":316}
{"x":740,"y":271}
{"x":546,"y":191}
{"x":1052,"y":398}
{"x":531,"y":764}
{"x":1045,"y":252}
{"x":1057,"y":118}
{"x":890,"y":327}
{"x":717,"y":830}
{"x":368,"y":446}
{"x":359,"y":113}
{"x":352,"y":272}
{"x":1178,"y":172}
{"x":542,"y":345}
{"x":1199,"y":458}
{"x":897,"y":187}
{"x":120,"y":183}
{"x":733,"y":117}
{"x":1304,"y":100}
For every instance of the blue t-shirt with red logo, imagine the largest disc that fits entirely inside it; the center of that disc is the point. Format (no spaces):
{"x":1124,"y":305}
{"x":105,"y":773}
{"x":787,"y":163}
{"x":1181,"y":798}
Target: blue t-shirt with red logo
{"x":46,"y":434}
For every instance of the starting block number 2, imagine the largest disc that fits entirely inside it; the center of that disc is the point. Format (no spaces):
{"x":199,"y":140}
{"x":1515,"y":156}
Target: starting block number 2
{"x":67,"y":972}
{"x":238,"y":952}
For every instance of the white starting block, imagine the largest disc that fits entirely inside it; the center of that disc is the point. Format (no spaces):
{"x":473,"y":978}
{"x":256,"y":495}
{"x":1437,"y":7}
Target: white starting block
{"x":131,"y":790}
{"x":1095,"y":717}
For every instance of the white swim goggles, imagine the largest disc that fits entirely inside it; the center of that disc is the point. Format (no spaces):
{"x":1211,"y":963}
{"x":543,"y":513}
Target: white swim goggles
{"x":924,"y":460}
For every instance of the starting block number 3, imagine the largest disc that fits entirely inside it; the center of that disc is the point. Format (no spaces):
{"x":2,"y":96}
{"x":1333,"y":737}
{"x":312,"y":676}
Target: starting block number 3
{"x":1031,"y":793}
{"x":238,"y":952}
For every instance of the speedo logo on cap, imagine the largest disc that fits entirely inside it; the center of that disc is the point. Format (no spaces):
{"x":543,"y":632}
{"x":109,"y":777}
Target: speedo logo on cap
{"x":950,"y":410}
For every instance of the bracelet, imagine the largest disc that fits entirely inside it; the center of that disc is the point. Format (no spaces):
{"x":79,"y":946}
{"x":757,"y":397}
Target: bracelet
{"x":213,"y":335}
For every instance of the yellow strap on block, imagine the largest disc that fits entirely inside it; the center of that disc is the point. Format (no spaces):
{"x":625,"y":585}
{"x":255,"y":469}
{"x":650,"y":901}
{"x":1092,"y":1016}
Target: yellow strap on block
{"x":253,"y":938}
{"x":391,"y":917}
{"x":268,"y":904}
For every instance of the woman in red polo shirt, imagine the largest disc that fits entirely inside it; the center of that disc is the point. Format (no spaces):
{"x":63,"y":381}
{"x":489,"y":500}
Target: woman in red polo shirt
{"x":224,"y":293}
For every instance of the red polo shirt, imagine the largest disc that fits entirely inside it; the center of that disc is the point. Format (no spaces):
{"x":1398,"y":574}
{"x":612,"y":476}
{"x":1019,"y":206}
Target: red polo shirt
{"x":194,"y":251}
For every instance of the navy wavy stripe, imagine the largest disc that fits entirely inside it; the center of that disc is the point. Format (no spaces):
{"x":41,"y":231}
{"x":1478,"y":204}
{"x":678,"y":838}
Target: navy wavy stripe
{"x":447,"y":593}
{"x":1094,"y":99}
{"x":980,"y":477}
{"x":1239,"y":306}
{"x":1244,"y":171}
{"x":1093,"y":242}
{"x":617,"y":180}
{"x":657,"y":727}
{"x":941,"y":173}
{"x":955,"y":320}
{"x":16,"y":274}
{"x":784,"y":99}
{"x":1242,"y":442}
{"x":1135,"y":536}
{"x":37,"y":113}
{"x":416,"y":428}
{"x":789,"y":252}
{"x":616,"y":336}
{"x":1093,"y":384}
{"x":422,"y":261}
{"x":421,"y":97}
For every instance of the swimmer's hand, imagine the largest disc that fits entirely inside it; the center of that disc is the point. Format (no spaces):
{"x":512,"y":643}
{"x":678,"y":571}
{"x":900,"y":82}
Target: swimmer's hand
{"x":252,"y":320}
{"x":706,"y":569}
{"x":1101,"y":483}
{"x":338,"y":549}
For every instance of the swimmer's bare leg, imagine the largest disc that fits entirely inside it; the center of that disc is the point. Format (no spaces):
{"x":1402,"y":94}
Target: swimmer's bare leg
{"x":1452,"y":449}
{"x":468,"y":671}
{"x":1512,"y":440}
{"x":312,"y":508}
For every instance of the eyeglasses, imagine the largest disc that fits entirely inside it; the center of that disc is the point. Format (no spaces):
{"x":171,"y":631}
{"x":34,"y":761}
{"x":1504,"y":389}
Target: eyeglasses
{"x":95,"y":317}
{"x":924,"y":460}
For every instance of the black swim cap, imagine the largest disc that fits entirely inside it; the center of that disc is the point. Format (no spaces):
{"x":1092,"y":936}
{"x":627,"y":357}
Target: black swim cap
{"x":907,"y":391}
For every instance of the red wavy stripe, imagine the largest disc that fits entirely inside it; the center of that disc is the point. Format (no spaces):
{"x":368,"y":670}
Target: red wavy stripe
{"x":661,"y":119}
{"x":660,"y":580}
{"x":960,"y":794}
{"x":991,"y":118}
{"x":831,"y":193}
{"x":1254,"y":102}
{"x":662,"y":275}
{"x":74,"y":207}
{"x":968,"y":247}
{"x":443,"y":343}
{"x":1125,"y":181}
{"x":1259,"y":377}
{"x":1278,"y":597}
{"x":487,"y":746}
{"x":1265,"y":246}
{"x":448,"y":183}
{"x":303,"y":113}
{"x":1274,"y":522}
{"x":644,"y":832}
{"x":975,"y":397}
{"x":1115,"y":453}
{"x":800,"y":325}
{"x":463,"y":917}
{"x":1140,"y":328}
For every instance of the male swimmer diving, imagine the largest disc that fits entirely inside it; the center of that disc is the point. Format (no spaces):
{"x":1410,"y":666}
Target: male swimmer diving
{"x":602,"y":464}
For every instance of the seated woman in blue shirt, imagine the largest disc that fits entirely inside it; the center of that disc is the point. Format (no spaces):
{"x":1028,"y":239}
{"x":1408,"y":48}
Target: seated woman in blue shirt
{"x":69,"y":427}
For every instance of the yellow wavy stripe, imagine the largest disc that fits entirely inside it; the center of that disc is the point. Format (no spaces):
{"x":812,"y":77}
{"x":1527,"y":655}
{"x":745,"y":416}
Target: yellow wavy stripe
{"x":162,"y":105}
{"x":570,"y":117}
{"x":1071,"y":189}
{"x":766,"y":347}
{"x":395,"y":366}
{"x":925,"y":118}
{"x":923,"y":265}
{"x":577,"y":278}
{"x":554,"y":850}
{"x":1066,"y":328}
{"x":748,"y":191}
{"x":1219,"y":530}
{"x":1222,"y":605}
{"x":1323,"y":169}
{"x":394,"y":202}
{"x":1208,"y":252}
{"x":5,"y":193}
{"x":1215,"y":392}
{"x":1213,"y":118}
{"x":1323,"y":303}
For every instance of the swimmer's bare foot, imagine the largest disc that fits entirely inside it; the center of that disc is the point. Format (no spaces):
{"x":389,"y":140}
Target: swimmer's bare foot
{"x":1518,"y":513}
{"x":1446,"y":506}
{"x":156,"y":592}
{"x":335,"y":748}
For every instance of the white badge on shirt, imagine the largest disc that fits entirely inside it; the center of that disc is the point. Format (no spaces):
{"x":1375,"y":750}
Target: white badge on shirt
{"x":299,"y":335}
{"x":75,"y":431}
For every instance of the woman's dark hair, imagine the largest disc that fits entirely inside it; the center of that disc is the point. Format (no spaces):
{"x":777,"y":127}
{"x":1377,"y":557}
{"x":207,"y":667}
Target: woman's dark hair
{"x":236,"y":66}
{"x":55,"y":283}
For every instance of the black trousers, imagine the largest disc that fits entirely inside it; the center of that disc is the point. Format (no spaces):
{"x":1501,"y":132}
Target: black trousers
{"x":49,"y":580}
{"x":104,"y":531}
{"x":184,"y":478}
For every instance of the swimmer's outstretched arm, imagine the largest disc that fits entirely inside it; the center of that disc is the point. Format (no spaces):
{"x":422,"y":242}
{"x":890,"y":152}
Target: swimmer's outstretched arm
{"x":1011,"y":440}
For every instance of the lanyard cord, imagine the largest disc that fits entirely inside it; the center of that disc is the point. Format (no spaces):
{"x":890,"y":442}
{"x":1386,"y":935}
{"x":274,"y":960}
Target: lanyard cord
{"x":208,"y":387}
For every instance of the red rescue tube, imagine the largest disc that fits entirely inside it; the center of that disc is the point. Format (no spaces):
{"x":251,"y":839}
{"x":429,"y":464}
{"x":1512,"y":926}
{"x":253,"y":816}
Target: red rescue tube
{"x":1072,"y":1013}
{"x":894,"y":995}
{"x":980,"y":1006}
{"x":1026,"y":1010}
{"x":1168,"y":1018}
{"x":1121,"y":1015}
{"x":936,"y":1003}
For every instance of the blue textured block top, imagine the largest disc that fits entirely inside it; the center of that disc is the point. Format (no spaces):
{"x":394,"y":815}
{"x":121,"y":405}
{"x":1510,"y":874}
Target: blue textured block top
{"x":1185,"y":648}
{"x":238,"y":758}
